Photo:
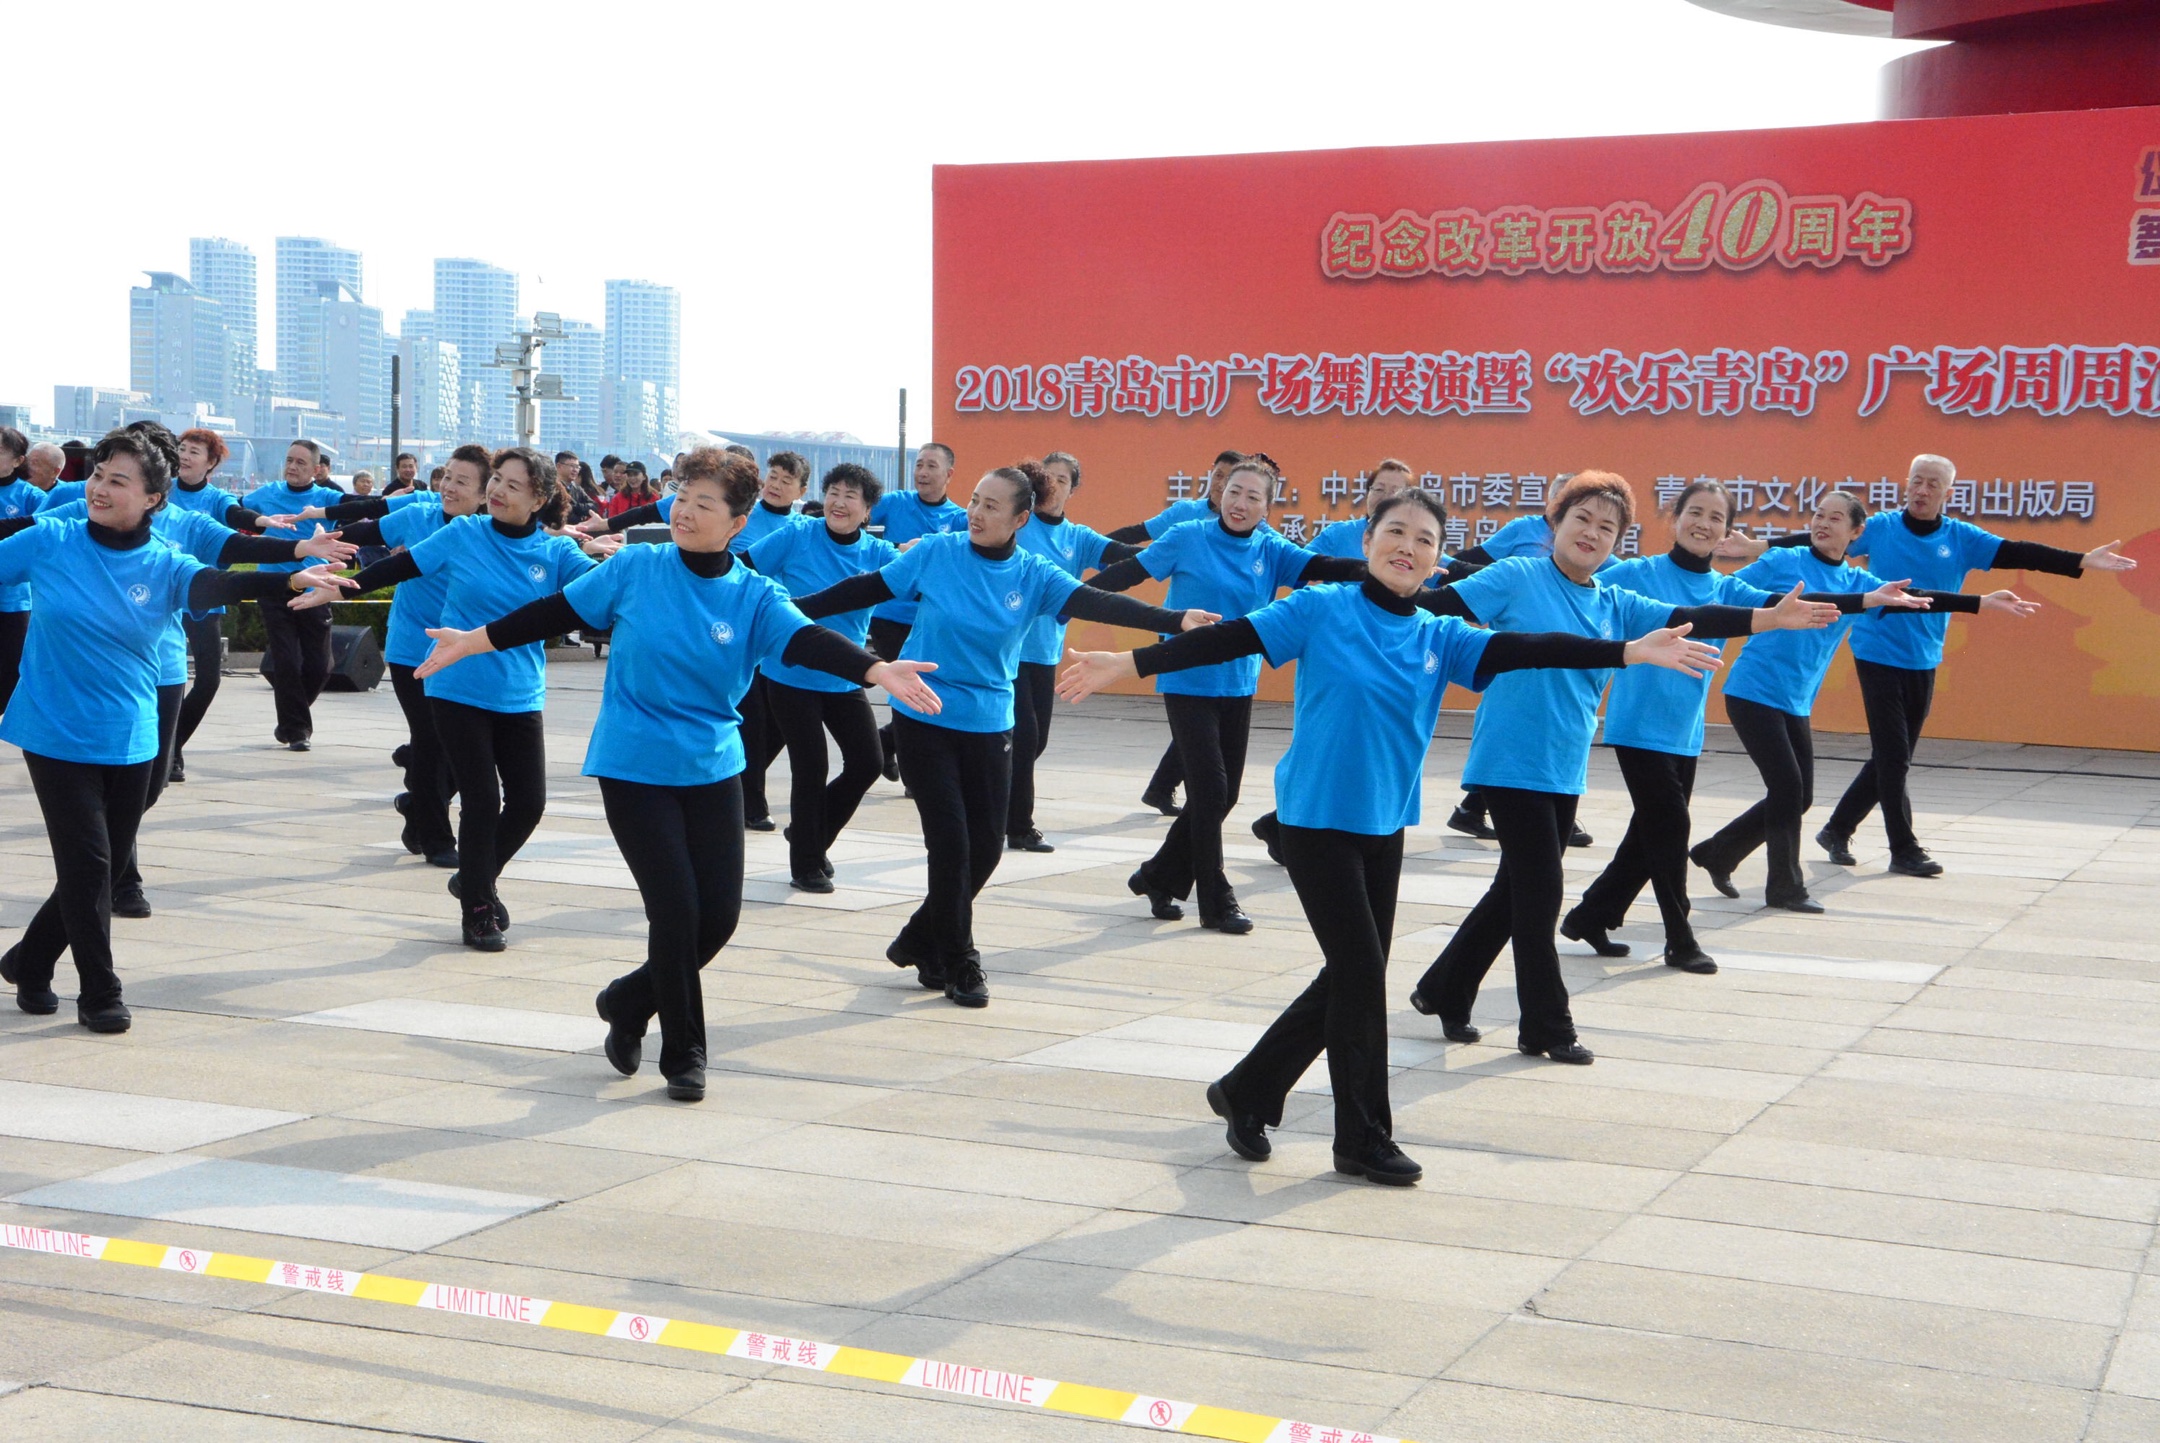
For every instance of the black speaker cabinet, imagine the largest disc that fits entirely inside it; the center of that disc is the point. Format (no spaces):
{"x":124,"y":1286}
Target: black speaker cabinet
{"x":356,"y":661}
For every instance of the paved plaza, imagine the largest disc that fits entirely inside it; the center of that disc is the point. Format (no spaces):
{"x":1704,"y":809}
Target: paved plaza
{"x":1893,"y":1173}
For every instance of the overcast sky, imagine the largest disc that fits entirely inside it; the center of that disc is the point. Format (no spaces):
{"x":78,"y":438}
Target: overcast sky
{"x":771,"y":160}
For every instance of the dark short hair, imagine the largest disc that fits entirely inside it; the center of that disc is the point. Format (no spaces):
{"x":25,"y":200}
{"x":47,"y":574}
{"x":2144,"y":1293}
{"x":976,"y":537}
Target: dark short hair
{"x":313,"y":448}
{"x":1228,"y":458}
{"x":157,"y":435}
{"x":546,"y":484}
{"x":942,"y":448}
{"x":404,"y":456}
{"x":477,"y":456}
{"x":736,"y":476}
{"x":792,"y":463}
{"x":1069,"y":461}
{"x":14,"y":441}
{"x":737,"y":448}
{"x":1417,"y":498}
{"x":610,"y":459}
{"x":862,"y":478}
{"x":1703,"y":486}
{"x":562,"y":456}
{"x":139,"y":447}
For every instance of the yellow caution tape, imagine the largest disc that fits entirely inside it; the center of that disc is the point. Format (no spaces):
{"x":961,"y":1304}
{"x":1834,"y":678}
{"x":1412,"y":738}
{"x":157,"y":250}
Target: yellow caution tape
{"x":1110,"y":1405}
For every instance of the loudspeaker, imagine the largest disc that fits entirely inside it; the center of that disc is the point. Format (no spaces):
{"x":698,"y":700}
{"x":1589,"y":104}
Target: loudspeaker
{"x":356,"y":662}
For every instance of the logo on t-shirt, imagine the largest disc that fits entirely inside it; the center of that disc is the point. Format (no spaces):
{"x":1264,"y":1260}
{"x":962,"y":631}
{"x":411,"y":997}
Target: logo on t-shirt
{"x":536,"y":571}
{"x":139,"y":594}
{"x":1604,"y":628}
{"x":722,"y":632}
{"x":1942,"y":549}
{"x":1432,"y":663}
{"x":1012,"y":601}
{"x":1258,"y":565}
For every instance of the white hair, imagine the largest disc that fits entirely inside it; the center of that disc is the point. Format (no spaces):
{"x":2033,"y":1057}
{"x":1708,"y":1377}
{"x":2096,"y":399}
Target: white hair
{"x":1932,"y":462}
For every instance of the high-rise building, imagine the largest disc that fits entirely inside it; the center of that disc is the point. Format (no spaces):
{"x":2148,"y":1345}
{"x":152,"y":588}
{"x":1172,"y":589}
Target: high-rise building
{"x":224,"y":271}
{"x":476,"y":310}
{"x":304,"y":263}
{"x":176,"y":344}
{"x":573,"y":425}
{"x":91,"y":411}
{"x":356,"y":368}
{"x":644,"y":343}
{"x":429,"y":388}
{"x":417,"y":326}
{"x":630,"y":419}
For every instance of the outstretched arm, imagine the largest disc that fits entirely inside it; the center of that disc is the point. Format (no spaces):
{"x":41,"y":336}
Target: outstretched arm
{"x":853,"y":594}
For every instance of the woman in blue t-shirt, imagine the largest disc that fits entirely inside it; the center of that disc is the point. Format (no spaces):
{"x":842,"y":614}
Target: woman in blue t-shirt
{"x":488,"y":715}
{"x":1373,"y":665}
{"x":805,"y":703}
{"x":1231,"y":565}
{"x":976,"y":594}
{"x":86,"y":712}
{"x":690,"y":627}
{"x":404,"y":521}
{"x":1530,"y":749}
{"x":1073,"y":549}
{"x":18,"y":498}
{"x":1770,"y":693}
{"x":1654,"y":725}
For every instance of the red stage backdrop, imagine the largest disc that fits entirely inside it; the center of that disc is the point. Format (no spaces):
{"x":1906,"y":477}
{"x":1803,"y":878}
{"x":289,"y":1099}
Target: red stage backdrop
{"x":1787,"y":311}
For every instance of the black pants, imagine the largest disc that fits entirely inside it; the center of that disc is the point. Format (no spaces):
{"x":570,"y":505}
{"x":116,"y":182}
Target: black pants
{"x":1898,"y":699}
{"x":761,"y":743}
{"x":298,"y":643}
{"x":428,"y":784}
{"x":1654,"y":851}
{"x":1210,"y":732}
{"x":1346,"y":882}
{"x":1034,"y":694}
{"x":959,"y":780}
{"x":500,"y":762}
{"x":819,"y":809}
{"x":1169,"y":773}
{"x":684,"y":845}
{"x":91,"y":813}
{"x":127,"y":875}
{"x":1521,"y":907}
{"x":1783,"y":749}
{"x":206,"y":647}
{"x":14,"y":626}
{"x":886,"y":638}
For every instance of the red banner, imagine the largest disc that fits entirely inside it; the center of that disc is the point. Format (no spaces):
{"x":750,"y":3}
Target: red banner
{"x":1788,"y":311}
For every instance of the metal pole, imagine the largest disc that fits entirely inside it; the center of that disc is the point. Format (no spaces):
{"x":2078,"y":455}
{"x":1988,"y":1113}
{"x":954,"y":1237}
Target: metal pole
{"x":900,"y":467}
{"x":396,"y":390}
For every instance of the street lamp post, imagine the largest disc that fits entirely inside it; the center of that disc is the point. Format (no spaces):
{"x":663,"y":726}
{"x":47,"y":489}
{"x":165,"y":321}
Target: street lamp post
{"x":520,"y":356}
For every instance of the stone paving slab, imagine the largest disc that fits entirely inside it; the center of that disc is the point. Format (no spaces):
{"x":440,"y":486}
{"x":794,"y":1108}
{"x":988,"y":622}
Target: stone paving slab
{"x":1893,"y":1174}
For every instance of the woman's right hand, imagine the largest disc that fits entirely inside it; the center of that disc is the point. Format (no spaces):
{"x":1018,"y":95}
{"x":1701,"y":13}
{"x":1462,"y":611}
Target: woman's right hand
{"x":1091,"y":671}
{"x":1669,"y":647}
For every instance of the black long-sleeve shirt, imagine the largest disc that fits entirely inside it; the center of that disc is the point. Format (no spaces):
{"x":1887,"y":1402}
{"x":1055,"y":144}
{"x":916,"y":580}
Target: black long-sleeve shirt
{"x":2009,"y":556}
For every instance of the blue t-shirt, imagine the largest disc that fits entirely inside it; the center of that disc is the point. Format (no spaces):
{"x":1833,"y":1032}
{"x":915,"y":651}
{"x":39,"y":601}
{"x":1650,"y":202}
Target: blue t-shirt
{"x":209,"y":500}
{"x":1232,"y":576}
{"x":487,"y":576}
{"x":1369,"y":685}
{"x":1072,"y":549}
{"x":191,"y":533}
{"x":89,"y":683}
{"x":1526,"y":536}
{"x":1342,"y":538}
{"x":1654,"y":707}
{"x":973,"y":616}
{"x":64,"y":492}
{"x":905,"y":516}
{"x":1177,"y":513}
{"x":1534,"y":727}
{"x":685,"y":647}
{"x":18,"y":499}
{"x":807,"y":558}
{"x":762,"y":522}
{"x":1937,"y":561}
{"x":279,"y":499}
{"x":1784,"y":669}
{"x":415,"y":605}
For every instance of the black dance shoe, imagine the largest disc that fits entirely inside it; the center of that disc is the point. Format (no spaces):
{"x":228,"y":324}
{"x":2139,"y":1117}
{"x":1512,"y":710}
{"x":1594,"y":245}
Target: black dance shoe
{"x":37,"y":1001}
{"x":1471,"y":824}
{"x":1245,"y":1133}
{"x":1690,"y":958}
{"x":928,"y":974}
{"x":688,"y":1085}
{"x":401,"y":755}
{"x":1720,"y":877}
{"x":1028,"y":841}
{"x":1232,"y":923}
{"x":409,"y":834}
{"x":820,"y":884}
{"x":787,"y":834}
{"x":178,"y":771}
{"x":107,"y":1017}
{"x":1915,"y":863}
{"x":890,"y":757}
{"x":1579,"y":837}
{"x":1269,"y":830}
{"x":624,"y":1051}
{"x":130,"y":903}
{"x":1452,"y":1031}
{"x":502,"y":913}
{"x":759,"y":824}
{"x":1162,"y":904}
{"x":480,"y":932}
{"x":1164,"y":802}
{"x":1381,"y":1162}
{"x":1571,"y":1052}
{"x":1838,"y":848}
{"x":967,"y":986}
{"x":1802,"y":903}
{"x":447,"y":857}
{"x":299,"y":744}
{"x":1575,"y":929}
